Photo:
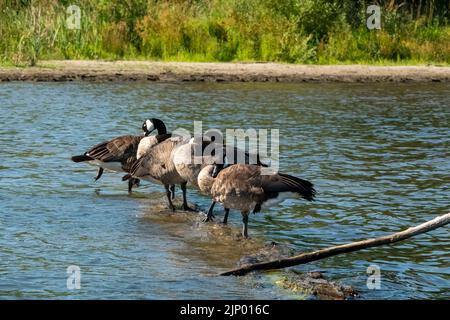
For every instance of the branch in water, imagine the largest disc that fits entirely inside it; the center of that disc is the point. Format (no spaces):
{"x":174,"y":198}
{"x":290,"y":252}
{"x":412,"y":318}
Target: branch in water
{"x":345,"y":248}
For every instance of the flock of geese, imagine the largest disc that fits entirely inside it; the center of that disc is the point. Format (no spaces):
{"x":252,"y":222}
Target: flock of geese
{"x":172,"y":160}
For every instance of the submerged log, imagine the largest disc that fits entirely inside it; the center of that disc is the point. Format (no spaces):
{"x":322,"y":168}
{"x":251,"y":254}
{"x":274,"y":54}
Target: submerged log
{"x":313,"y":284}
{"x":340,"y":249}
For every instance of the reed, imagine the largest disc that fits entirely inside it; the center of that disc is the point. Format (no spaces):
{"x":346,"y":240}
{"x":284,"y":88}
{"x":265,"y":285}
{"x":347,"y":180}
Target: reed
{"x":293,"y":31}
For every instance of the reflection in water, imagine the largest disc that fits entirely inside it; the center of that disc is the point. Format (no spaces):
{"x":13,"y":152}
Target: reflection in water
{"x":379,"y":156}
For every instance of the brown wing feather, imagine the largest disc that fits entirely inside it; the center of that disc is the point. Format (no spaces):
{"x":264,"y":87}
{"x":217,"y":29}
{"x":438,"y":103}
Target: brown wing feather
{"x":158,"y":164}
{"x":119,"y":149}
{"x":239,"y":186}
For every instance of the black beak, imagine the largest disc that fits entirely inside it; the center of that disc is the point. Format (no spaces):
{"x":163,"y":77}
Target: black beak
{"x":148,"y":132}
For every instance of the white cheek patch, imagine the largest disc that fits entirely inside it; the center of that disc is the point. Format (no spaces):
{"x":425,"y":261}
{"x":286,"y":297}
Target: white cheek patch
{"x":149,"y":125}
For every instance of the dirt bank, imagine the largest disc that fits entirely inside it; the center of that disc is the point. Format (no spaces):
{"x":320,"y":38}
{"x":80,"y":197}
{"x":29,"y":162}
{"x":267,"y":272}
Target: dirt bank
{"x":220,"y":72}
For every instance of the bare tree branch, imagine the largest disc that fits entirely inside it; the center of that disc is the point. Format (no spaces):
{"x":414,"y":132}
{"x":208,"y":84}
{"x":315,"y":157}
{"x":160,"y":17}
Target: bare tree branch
{"x":345,"y":248}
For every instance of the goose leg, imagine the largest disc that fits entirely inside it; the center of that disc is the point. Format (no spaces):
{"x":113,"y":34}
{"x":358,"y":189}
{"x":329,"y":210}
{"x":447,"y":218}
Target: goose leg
{"x":99,"y":173}
{"x":172,"y":190}
{"x":168,"y":194}
{"x":225,"y":217}
{"x":245,"y":227}
{"x":133,"y":182}
{"x":257,"y":208}
{"x":130,"y":185}
{"x":210,"y":215}
{"x":185,"y":204}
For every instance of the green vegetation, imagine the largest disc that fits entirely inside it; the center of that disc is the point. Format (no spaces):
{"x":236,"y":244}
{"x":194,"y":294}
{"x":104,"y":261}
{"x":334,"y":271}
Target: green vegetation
{"x":294,"y":31}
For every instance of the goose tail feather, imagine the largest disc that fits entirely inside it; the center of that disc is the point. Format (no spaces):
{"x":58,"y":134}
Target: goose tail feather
{"x":303,"y":187}
{"x":81,"y":158}
{"x":126,"y":177}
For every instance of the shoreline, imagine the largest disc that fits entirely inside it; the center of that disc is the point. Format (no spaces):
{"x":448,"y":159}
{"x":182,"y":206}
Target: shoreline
{"x":96,"y":70}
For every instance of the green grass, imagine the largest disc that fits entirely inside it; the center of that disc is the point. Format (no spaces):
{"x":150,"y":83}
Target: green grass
{"x":290,"y":31}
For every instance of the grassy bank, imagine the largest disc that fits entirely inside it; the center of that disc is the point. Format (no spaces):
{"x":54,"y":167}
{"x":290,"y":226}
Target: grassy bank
{"x":293,"y":31}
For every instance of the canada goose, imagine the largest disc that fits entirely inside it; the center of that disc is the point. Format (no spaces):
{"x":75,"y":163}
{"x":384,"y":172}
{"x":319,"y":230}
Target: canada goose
{"x":189,"y":161}
{"x":244,"y":188}
{"x":157,"y":166}
{"x":120,"y":153}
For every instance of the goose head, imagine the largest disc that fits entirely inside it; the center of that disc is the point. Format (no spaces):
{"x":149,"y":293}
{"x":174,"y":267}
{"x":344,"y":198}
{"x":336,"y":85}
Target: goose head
{"x":153,"y":124}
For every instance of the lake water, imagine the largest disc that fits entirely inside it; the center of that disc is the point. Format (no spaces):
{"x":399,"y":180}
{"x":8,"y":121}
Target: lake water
{"x":378,"y":154}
